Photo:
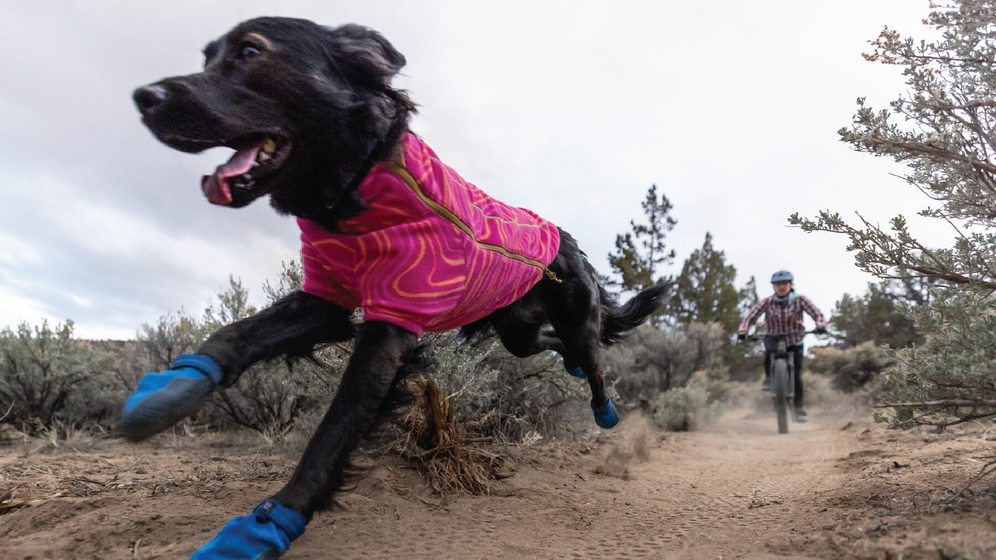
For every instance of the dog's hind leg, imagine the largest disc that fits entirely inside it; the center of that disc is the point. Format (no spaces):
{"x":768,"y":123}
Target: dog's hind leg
{"x":523,"y":339}
{"x":382,"y":356}
{"x":580,"y":337}
{"x":576,"y":318}
{"x":574,"y":308}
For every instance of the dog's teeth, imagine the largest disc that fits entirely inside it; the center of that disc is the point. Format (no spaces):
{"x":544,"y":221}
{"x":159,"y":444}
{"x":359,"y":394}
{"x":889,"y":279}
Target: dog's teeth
{"x":255,"y":164}
{"x":269,"y":146}
{"x":263,"y":156}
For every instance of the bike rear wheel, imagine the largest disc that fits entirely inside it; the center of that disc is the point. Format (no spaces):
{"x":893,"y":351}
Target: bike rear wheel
{"x":779,"y":389}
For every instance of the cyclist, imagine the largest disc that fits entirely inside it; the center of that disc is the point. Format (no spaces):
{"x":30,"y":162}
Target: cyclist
{"x":782,"y":315}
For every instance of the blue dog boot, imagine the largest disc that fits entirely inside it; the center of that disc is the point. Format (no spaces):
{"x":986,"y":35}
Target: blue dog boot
{"x":264,"y":534}
{"x":577,"y":372}
{"x":163,"y":399}
{"x":605,"y":415}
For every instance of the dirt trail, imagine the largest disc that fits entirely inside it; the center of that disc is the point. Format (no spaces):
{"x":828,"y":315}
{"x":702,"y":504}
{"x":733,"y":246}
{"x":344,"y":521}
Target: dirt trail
{"x":692,"y":498}
{"x":737,"y":490}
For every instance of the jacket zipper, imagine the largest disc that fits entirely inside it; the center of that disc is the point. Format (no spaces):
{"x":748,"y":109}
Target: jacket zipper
{"x":405,"y":176}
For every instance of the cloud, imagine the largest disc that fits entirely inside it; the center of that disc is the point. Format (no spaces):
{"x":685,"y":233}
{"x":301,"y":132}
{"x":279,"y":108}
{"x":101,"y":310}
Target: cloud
{"x":570,"y":110}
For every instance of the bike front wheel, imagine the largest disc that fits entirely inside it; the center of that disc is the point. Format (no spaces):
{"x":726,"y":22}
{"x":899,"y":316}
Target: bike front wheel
{"x":779,"y":389}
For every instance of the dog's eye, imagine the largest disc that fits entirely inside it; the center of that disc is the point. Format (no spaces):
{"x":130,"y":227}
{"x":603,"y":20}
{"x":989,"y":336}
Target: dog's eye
{"x":248,"y":51}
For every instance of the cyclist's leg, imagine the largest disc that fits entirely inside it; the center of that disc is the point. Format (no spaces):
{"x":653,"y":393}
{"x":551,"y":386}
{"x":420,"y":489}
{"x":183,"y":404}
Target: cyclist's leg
{"x":797,"y":350}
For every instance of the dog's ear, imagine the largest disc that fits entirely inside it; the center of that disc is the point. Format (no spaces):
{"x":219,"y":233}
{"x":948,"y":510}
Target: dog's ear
{"x":364,"y":55}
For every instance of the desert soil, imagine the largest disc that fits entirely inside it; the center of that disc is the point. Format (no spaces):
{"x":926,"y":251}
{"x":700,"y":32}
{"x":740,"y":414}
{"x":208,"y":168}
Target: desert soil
{"x":833,"y":488}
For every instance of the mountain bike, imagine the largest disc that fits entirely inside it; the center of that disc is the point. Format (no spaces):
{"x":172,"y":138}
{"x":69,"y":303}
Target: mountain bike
{"x":782,"y":378}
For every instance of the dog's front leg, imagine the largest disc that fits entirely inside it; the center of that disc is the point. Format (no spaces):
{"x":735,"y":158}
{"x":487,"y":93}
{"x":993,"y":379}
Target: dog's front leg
{"x":380,"y":352}
{"x":292,"y":327}
{"x":379,"y":355}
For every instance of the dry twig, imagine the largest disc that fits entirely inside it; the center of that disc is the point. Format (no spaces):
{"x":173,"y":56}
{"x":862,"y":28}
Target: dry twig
{"x":434,"y":442}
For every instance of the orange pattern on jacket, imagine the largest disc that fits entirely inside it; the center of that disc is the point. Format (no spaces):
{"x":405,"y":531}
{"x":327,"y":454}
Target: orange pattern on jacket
{"x":432,"y":252}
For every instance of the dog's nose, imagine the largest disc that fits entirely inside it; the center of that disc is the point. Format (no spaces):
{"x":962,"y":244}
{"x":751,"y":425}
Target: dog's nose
{"x":149,"y":98}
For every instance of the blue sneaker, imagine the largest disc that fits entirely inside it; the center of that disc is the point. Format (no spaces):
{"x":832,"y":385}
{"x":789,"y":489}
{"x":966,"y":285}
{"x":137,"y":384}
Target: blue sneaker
{"x":264,"y":534}
{"x":577,"y":372}
{"x":163,"y":399}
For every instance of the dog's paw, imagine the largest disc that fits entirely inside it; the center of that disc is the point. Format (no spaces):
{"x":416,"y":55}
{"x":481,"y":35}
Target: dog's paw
{"x":264,"y":534}
{"x":163,"y":399}
{"x":605,"y":414}
{"x":577,"y":372}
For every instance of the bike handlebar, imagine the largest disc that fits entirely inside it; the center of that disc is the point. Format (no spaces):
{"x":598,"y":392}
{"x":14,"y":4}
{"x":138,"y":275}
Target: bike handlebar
{"x":760,"y":336}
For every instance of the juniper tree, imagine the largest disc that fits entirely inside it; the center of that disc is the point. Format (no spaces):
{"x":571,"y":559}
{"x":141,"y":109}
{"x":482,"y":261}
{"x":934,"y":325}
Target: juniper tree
{"x":640,"y":252}
{"x":879,"y":315}
{"x":944,"y":130}
{"x":704,"y":291}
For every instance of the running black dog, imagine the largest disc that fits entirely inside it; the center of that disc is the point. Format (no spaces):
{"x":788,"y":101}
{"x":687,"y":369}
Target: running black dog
{"x":316,"y":124}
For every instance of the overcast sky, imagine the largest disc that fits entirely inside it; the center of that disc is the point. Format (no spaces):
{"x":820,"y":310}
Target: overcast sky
{"x":570,"y":109}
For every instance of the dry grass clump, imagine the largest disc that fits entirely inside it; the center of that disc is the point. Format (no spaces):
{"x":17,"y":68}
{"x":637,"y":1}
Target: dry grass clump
{"x":15,"y":494}
{"x":435,"y":442}
{"x":7,"y":493}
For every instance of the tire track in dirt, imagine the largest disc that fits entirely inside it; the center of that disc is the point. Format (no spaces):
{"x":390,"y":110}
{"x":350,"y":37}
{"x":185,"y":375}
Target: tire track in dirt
{"x":712,"y":478}
{"x":753,"y":483}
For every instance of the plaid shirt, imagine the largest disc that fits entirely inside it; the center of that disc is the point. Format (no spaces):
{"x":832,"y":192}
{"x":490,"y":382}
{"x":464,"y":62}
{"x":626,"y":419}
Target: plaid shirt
{"x":781,"y":319}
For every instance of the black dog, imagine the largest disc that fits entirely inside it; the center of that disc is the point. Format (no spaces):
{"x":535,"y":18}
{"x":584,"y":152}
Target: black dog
{"x":311,"y":112}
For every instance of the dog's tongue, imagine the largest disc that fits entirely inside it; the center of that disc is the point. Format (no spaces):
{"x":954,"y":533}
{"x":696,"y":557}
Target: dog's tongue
{"x":215,"y":186}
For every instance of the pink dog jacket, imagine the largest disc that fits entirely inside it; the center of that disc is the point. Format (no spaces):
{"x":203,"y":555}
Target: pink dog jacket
{"x":431,"y":252}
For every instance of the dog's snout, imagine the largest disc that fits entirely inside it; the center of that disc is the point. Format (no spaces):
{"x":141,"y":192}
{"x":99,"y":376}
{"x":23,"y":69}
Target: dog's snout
{"x":149,"y":98}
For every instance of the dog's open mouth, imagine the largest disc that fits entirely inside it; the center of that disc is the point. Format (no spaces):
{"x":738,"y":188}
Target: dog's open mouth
{"x":255,"y":158}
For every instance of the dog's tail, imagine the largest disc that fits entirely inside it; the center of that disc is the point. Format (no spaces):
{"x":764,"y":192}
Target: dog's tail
{"x":617,"y":321}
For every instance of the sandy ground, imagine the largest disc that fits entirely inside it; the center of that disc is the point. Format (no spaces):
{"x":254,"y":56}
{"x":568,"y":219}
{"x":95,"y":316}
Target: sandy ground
{"x":832,"y":488}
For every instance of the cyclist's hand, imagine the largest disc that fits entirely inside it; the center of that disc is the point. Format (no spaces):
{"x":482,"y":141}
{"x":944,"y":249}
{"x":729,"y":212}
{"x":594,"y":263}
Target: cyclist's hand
{"x":820,"y":330}
{"x":742,"y":336}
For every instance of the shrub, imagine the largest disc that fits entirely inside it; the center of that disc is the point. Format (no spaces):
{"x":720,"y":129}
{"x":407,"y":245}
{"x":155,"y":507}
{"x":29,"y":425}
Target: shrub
{"x":169,"y":336}
{"x":49,"y":379}
{"x":500,"y":395}
{"x":949,"y":379}
{"x":656,"y":359}
{"x":851,"y":369}
{"x":685,"y":408}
